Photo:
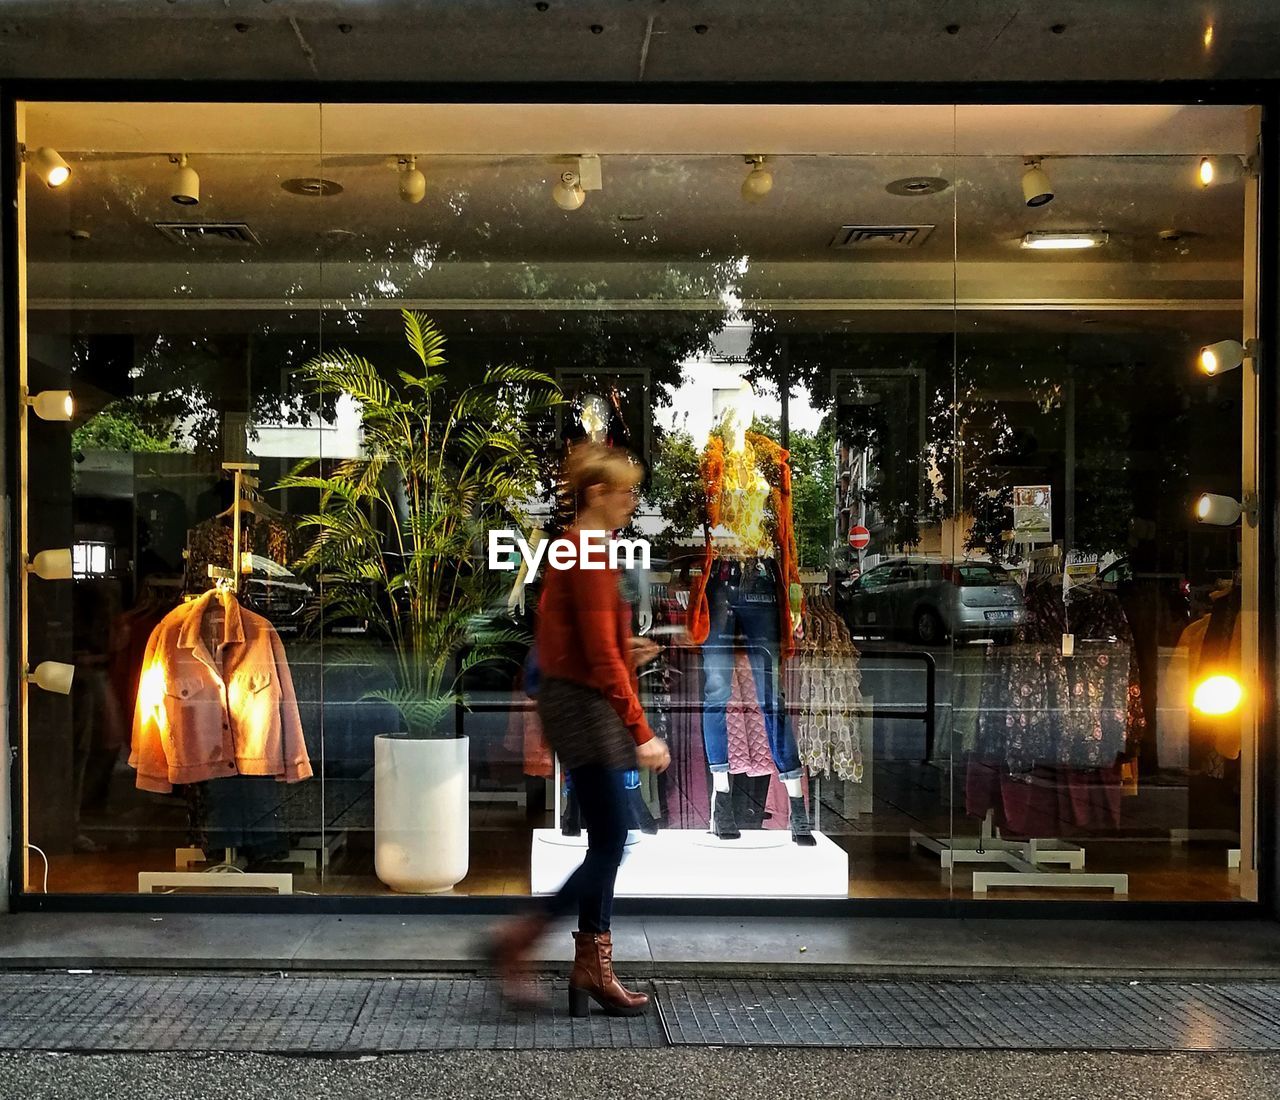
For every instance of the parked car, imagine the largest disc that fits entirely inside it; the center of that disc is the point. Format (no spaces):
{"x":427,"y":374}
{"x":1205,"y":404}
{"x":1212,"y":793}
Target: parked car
{"x":930,"y":600}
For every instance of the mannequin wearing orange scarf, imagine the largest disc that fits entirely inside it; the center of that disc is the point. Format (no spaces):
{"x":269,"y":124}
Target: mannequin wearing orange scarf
{"x":748,"y":593}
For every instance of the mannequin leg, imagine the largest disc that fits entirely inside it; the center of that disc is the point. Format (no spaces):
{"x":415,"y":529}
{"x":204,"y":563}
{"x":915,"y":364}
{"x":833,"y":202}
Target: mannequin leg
{"x":801,"y":830}
{"x":723,"y":822}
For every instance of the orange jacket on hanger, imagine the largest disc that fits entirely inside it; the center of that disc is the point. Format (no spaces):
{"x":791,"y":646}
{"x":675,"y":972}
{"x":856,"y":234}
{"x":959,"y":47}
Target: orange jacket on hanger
{"x":203,"y":714}
{"x":773,"y":462}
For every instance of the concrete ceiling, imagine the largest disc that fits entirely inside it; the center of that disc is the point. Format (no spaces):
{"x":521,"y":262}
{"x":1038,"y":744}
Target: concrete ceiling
{"x":653,"y":41}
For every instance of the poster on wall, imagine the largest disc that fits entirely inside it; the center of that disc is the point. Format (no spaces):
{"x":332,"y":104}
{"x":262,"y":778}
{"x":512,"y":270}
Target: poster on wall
{"x":1032,"y":514}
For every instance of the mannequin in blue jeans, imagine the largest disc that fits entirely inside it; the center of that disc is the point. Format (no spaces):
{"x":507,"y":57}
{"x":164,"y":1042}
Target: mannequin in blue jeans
{"x":742,"y":598}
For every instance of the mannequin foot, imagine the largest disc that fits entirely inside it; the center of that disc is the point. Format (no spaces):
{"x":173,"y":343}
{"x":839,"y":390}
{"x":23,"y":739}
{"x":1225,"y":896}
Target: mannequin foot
{"x":800,"y":831}
{"x":723,"y":823}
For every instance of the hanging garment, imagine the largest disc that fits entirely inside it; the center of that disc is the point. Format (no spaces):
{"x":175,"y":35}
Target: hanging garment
{"x":216,"y":698}
{"x":824,"y":695}
{"x":209,"y":543}
{"x":748,"y":743}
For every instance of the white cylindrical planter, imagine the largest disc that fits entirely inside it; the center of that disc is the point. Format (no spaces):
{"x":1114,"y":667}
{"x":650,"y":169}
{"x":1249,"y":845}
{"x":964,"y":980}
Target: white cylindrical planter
{"x":421,"y":827}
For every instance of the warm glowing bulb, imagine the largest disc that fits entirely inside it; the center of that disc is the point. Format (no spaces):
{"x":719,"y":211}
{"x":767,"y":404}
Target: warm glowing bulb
{"x":1218,"y":695}
{"x":1203,"y":505}
{"x":1208,"y":36}
{"x":1208,"y":361}
{"x":1206,"y":171}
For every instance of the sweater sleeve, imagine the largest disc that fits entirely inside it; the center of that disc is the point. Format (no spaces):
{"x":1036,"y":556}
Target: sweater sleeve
{"x":597,"y":605}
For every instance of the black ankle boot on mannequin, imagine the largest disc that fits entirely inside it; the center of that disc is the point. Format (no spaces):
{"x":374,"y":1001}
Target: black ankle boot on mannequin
{"x":800,"y":831}
{"x":641,"y":818}
{"x":570,"y":817}
{"x":723,"y":823}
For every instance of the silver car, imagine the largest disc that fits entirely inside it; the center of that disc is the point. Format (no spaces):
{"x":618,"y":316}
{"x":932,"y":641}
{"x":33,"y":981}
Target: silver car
{"x":930,"y":600}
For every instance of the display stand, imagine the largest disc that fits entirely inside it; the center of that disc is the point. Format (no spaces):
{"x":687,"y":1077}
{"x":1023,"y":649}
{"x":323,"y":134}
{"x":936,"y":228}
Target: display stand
{"x":227,"y":875}
{"x":1025,"y":860}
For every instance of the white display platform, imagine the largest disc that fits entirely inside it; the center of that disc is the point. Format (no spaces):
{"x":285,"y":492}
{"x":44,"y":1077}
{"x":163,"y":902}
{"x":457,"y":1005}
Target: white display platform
{"x":691,"y":863}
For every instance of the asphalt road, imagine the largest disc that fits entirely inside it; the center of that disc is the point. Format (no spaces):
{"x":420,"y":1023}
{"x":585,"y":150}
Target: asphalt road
{"x":704,"y":1073}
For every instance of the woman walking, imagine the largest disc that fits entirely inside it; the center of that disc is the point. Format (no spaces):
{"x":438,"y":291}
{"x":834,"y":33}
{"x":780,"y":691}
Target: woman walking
{"x":590,"y":710}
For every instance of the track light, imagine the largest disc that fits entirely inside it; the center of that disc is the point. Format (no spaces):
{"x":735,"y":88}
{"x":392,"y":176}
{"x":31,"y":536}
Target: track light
{"x":49,"y":166}
{"x":568,"y":192}
{"x":759,"y":181}
{"x":51,"y":565}
{"x":413,"y":184}
{"x":1036,"y":188}
{"x":1216,"y":510}
{"x":185,"y":188}
{"x":54,"y":676}
{"x":1226,"y":355}
{"x":51,"y":404}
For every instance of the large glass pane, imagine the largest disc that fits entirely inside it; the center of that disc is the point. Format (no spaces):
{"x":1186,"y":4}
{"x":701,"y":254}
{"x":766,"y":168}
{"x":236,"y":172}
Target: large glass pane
{"x":167,"y":289}
{"x":1084,"y":435}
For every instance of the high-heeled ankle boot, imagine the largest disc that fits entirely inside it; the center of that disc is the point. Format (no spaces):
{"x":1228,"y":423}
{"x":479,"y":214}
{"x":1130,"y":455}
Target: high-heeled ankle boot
{"x":800,"y":830}
{"x":723,"y":823}
{"x":508,"y":948}
{"x":593,"y":979}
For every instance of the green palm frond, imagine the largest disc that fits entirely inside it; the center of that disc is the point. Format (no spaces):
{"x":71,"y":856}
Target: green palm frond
{"x":399,"y":531}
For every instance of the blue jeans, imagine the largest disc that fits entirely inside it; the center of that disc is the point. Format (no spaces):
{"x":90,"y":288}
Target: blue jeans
{"x":602,"y":801}
{"x":746,"y":606}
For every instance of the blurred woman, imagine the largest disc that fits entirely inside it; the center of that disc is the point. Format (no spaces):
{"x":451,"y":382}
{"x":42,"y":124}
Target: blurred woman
{"x":590,"y":710}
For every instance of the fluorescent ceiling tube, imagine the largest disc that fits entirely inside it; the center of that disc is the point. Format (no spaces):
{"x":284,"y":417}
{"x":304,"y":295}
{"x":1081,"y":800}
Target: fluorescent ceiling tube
{"x":1075,"y":239}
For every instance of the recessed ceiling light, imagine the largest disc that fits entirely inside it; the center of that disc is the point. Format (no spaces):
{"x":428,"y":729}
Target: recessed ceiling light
{"x":1056,"y":242}
{"x":918,"y":185}
{"x":312,"y":186}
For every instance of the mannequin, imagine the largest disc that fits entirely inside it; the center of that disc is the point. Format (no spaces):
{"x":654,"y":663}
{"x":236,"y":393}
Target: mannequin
{"x":748,"y":595}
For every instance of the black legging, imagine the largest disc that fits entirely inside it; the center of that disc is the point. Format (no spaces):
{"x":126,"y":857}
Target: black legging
{"x":602,"y":799}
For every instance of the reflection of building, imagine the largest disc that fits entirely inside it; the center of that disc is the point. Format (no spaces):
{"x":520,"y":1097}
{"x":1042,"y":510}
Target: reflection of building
{"x":882,"y":280}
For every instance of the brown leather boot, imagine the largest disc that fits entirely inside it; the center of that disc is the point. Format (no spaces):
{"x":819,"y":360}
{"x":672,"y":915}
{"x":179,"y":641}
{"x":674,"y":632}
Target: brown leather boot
{"x":593,"y":978}
{"x":507,"y":950}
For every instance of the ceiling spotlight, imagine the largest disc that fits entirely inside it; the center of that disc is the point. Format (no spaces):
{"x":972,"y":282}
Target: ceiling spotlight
{"x":1036,"y":188}
{"x":1226,"y":355}
{"x":51,"y":565}
{"x":1216,"y":510}
{"x":568,"y":192}
{"x":1214,"y":170}
{"x":185,"y":190}
{"x":413,"y":184}
{"x":54,"y":676}
{"x":1065,"y":241}
{"x":759,"y":181}
{"x":49,"y":166}
{"x":51,"y":404}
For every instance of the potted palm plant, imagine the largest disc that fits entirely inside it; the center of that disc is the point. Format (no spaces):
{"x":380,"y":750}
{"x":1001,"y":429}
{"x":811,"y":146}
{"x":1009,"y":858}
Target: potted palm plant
{"x":398,"y":541}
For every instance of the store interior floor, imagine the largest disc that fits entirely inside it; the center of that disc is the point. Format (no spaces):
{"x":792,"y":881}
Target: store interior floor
{"x":1161,"y":863}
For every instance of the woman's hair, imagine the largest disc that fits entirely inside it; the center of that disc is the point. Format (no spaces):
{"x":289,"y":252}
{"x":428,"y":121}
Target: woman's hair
{"x":591,"y":464}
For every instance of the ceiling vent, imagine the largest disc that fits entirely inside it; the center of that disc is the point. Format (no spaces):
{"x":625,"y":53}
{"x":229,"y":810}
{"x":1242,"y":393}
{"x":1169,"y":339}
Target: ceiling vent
{"x":206,"y":234}
{"x":879,"y":238}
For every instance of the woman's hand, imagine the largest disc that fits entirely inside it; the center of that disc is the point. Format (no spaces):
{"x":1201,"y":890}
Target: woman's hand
{"x":643,"y":650}
{"x":653,"y":754}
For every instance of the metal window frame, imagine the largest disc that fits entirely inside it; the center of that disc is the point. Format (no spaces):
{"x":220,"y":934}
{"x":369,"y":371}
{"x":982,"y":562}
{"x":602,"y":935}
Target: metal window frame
{"x":1263,"y":94}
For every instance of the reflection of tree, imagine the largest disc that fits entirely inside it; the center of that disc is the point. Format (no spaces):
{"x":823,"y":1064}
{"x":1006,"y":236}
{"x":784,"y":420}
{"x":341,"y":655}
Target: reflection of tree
{"x":117,"y":427}
{"x":813,"y":478}
{"x":179,"y":388}
{"x":675,"y":486}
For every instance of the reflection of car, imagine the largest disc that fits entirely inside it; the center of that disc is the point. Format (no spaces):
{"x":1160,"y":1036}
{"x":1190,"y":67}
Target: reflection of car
{"x":929,"y":600}
{"x":274,"y":592}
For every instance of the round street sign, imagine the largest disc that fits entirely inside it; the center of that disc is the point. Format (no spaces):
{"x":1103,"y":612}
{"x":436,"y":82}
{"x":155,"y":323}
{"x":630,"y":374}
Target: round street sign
{"x":859,"y":538}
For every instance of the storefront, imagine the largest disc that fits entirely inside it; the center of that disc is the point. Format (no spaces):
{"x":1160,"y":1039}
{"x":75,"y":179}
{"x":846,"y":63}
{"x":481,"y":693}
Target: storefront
{"x":957,"y":432}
